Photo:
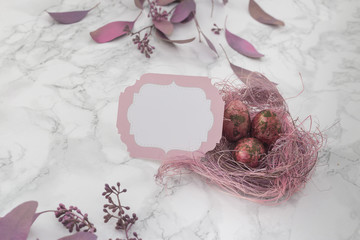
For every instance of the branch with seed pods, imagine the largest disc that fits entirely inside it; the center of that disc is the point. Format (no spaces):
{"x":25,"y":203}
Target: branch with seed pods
{"x":115,"y":210}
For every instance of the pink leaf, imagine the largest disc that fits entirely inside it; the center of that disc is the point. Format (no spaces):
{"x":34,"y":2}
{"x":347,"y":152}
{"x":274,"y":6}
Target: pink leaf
{"x":17,"y":223}
{"x":241,"y":45}
{"x":80,"y":236}
{"x":164,"y":2}
{"x":260,"y":85}
{"x":189,"y":18}
{"x":163,"y":37}
{"x":139,"y":3}
{"x":183,"y":10}
{"x":111,"y":31}
{"x":246,"y":76}
{"x":70,"y":17}
{"x":242,"y":73}
{"x":164,"y":26}
{"x":210,"y":44}
{"x":261,"y":16}
{"x":250,"y":78}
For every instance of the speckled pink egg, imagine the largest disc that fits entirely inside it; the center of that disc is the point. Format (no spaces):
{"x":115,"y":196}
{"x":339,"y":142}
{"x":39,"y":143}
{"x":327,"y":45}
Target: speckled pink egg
{"x":266,"y":126}
{"x":249,"y":151}
{"x":237,"y":122}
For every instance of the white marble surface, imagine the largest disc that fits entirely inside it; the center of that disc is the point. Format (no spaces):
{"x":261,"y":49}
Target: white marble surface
{"x":58,"y":103}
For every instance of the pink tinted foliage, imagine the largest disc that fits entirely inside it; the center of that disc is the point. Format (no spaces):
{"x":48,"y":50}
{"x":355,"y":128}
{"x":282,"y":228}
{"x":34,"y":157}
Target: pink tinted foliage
{"x":111,"y":31}
{"x":261,"y":16}
{"x":165,"y":2}
{"x":183,"y":10}
{"x":189,"y":18}
{"x":163,"y":37}
{"x":241,"y":45}
{"x":210,"y":44}
{"x":16,"y":224}
{"x":70,"y":17}
{"x":164,"y":26}
{"x":248,"y":77}
{"x":139,"y":3}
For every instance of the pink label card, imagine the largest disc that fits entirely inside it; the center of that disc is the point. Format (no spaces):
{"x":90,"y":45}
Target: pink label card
{"x":168,"y":116}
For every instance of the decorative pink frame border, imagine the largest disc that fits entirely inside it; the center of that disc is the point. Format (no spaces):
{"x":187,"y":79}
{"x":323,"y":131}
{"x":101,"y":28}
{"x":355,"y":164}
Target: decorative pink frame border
{"x":126,"y":99}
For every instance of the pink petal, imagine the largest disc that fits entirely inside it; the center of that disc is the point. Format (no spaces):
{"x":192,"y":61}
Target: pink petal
{"x":261,"y":16}
{"x":163,"y":37}
{"x":80,"y":236}
{"x":139,"y":3}
{"x":70,"y":17}
{"x":165,"y":2}
{"x":225,"y":1}
{"x":210,"y":44}
{"x":111,"y":31}
{"x":164,"y":26}
{"x":241,"y":45}
{"x":183,"y":10}
{"x":17,"y":223}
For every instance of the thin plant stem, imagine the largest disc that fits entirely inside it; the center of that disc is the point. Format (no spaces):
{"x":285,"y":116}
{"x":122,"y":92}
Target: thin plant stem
{"x":212,"y":8}
{"x":138,"y":16}
{"x":198,"y":28}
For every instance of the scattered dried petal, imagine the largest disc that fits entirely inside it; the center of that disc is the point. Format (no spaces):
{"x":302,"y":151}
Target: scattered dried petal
{"x":139,"y":3}
{"x":70,"y":17}
{"x":261,"y":16}
{"x":123,"y":220}
{"x":241,"y":45}
{"x":80,"y":236}
{"x":111,"y":31}
{"x":183,"y":10}
{"x":164,"y":26}
{"x":17,"y":223}
{"x":166,"y":39}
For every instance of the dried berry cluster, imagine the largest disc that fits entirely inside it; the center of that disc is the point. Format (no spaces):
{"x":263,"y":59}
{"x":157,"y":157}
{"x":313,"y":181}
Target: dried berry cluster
{"x":114,"y":209}
{"x":73,"y":218}
{"x":143,"y":44}
{"x":156,"y":13}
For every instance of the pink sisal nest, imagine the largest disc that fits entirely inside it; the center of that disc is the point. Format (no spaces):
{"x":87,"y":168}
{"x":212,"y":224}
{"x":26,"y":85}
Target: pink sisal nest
{"x":284,"y":170}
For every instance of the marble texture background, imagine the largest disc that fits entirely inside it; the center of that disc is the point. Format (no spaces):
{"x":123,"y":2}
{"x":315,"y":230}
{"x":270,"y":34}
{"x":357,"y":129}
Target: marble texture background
{"x":58,"y":103}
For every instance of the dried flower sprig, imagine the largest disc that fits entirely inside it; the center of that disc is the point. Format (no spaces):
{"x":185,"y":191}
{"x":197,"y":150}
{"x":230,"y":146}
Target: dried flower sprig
{"x":216,"y":29}
{"x":156,"y":13}
{"x":114,"y":209}
{"x":143,"y":44}
{"x":73,"y":218}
